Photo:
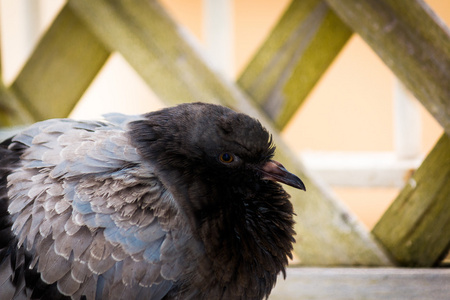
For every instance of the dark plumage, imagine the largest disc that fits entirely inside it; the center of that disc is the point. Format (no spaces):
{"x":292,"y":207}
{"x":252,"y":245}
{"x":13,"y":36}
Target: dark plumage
{"x":181,"y":203}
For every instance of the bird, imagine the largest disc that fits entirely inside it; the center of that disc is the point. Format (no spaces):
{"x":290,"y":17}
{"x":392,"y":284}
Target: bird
{"x":185,"y":202}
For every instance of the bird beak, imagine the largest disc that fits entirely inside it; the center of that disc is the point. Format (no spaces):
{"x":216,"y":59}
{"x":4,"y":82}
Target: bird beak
{"x":273,"y":170}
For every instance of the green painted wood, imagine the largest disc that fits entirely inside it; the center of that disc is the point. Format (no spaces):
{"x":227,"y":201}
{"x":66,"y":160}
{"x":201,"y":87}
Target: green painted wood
{"x":62,"y":66}
{"x":155,"y":47}
{"x":293,"y":58}
{"x":416,"y":227}
{"x":139,"y":31}
{"x":411,"y":41}
{"x":12,"y":111}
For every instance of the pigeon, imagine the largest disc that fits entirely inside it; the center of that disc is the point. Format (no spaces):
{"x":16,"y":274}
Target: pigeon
{"x":181,"y":203}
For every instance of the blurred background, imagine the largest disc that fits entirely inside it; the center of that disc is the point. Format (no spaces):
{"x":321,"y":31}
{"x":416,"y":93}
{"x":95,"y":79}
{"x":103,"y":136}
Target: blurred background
{"x":359,"y":130}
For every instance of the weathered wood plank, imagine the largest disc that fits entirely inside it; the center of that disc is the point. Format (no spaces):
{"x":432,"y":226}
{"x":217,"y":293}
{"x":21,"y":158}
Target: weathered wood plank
{"x":363,"y":283}
{"x":416,"y":227}
{"x":153,"y":45}
{"x":293,"y":58}
{"x":139,"y":31}
{"x":62,"y":66}
{"x":411,"y":41}
{"x":12,"y":111}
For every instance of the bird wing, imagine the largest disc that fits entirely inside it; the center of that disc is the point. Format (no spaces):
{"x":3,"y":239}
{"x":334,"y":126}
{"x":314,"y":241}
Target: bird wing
{"x":91,"y":213}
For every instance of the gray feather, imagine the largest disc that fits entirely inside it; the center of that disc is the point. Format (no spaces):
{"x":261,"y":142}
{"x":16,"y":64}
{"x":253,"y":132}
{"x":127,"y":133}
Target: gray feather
{"x":67,"y":285}
{"x":37,"y":218}
{"x":7,"y":288}
{"x":98,"y":266}
{"x":88,"y":289}
{"x":70,"y":227}
{"x":80,"y":271}
{"x":52,"y":266}
{"x":18,"y":203}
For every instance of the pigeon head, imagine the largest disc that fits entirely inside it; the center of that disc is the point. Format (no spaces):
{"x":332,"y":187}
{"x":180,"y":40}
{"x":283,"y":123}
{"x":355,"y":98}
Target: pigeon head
{"x":218,"y":166}
{"x":212,"y":141}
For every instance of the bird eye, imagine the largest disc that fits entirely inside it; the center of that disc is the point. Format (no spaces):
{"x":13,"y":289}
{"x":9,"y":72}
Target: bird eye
{"x":226,"y":157}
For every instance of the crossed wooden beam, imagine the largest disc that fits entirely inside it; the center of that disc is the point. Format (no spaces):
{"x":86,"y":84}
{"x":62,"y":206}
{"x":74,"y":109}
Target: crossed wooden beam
{"x":414,"y":231}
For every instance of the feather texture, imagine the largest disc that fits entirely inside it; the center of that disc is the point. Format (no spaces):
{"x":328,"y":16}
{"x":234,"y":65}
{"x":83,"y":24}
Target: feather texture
{"x":140,"y":207}
{"x":53,"y":199}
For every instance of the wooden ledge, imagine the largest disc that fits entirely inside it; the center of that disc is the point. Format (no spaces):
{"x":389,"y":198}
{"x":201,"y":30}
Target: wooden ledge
{"x":363,"y":283}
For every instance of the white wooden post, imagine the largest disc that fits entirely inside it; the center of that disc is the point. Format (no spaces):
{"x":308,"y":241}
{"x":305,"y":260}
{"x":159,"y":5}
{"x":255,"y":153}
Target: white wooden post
{"x":371,"y":169}
{"x":218,"y":30}
{"x":407,"y":123}
{"x":20,"y":21}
